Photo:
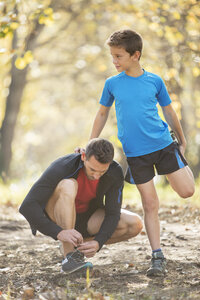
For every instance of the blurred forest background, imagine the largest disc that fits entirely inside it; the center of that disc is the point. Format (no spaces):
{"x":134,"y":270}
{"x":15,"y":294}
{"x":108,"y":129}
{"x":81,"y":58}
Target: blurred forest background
{"x":53,"y":65}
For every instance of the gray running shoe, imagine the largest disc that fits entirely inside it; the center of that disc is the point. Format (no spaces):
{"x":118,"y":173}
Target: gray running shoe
{"x":158,"y":263}
{"x":75,"y":261}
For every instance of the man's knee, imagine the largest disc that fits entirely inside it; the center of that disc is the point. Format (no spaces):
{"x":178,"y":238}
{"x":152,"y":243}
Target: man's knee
{"x":131,"y":223}
{"x":135,"y":226}
{"x":67,"y":187}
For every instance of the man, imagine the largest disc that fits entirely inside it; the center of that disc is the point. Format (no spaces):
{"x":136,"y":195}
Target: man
{"x":67,"y":203}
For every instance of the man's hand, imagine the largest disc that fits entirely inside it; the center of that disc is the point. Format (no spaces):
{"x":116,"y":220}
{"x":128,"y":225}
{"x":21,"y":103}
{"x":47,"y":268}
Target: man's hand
{"x":71,"y":236}
{"x":89,"y":248}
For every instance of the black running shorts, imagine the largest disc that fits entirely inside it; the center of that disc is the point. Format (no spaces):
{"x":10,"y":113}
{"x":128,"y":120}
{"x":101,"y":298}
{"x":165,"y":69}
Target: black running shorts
{"x":82,"y":222}
{"x":141,"y":169}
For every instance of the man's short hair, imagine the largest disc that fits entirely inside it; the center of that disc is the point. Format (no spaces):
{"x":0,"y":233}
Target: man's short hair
{"x":128,"y":39}
{"x":102,"y":150}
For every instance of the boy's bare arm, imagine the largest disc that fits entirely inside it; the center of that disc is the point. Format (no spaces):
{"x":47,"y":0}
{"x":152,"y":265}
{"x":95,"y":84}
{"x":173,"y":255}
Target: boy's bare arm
{"x":99,"y":121}
{"x":173,"y":121}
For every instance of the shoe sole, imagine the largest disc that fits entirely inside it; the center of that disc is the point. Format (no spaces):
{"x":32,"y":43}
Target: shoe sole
{"x":87,"y":265}
{"x":156,"y":274}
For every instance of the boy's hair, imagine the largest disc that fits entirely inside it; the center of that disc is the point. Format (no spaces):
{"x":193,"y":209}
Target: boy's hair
{"x":128,"y":39}
{"x":102,"y":150}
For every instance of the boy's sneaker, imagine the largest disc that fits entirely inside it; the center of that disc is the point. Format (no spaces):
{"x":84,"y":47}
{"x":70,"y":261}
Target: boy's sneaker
{"x":158,"y":263}
{"x":75,"y":261}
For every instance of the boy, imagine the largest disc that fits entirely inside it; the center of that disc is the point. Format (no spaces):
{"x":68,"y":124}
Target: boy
{"x":145,"y":137}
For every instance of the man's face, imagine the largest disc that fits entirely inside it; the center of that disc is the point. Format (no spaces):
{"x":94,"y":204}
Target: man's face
{"x":94,"y":169}
{"x":122,"y":60}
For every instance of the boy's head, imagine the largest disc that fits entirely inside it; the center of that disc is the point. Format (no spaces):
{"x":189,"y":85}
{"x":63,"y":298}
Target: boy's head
{"x":128,"y":39}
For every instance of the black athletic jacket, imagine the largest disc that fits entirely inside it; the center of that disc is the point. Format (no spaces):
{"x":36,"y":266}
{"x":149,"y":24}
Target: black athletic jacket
{"x":110,"y":186}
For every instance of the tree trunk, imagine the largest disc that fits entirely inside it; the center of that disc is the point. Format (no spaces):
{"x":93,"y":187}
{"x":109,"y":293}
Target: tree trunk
{"x":18,"y":82}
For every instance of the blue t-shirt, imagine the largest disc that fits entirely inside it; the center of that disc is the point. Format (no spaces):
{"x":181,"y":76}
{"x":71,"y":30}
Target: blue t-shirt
{"x":140,"y":128}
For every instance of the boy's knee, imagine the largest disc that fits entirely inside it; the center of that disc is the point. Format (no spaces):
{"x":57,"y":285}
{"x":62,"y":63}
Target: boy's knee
{"x":187,"y":192}
{"x":150,"y":206}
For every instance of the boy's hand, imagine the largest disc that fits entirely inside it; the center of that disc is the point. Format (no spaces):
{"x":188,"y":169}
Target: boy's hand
{"x":182,"y":148}
{"x":71,"y":236}
{"x":79,"y":150}
{"x":89,"y":248}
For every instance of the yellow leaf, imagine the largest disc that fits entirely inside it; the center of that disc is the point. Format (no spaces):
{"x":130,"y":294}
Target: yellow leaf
{"x":179,"y":36}
{"x":6,"y":29}
{"x":196,"y":71}
{"x":20,"y":63}
{"x":154,"y":26}
{"x":28,"y":56}
{"x":160,"y":33}
{"x":14,"y":25}
{"x":166,"y":7}
{"x":48,"y":11}
{"x":102,"y":68}
{"x":198,"y":124}
{"x":162,"y":19}
{"x":193,"y":45}
{"x":176,"y":16}
{"x":172,"y":73}
{"x":41,"y":19}
{"x":49,"y":20}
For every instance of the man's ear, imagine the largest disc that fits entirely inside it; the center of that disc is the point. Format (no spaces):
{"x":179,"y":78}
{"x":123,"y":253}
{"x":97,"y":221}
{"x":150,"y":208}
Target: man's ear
{"x":83,"y":158}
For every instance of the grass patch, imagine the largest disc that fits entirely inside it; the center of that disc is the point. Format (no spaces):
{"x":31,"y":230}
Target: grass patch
{"x":166,"y":194}
{"x":13,"y":193}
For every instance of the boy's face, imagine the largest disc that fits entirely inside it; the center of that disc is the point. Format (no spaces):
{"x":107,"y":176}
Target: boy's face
{"x":122,"y":60}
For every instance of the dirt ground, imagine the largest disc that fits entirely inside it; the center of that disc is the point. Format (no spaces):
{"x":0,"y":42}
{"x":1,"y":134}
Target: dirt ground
{"x":30,"y":266}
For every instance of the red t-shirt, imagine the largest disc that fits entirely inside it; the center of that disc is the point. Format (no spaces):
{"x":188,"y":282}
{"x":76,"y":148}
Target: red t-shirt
{"x":86,"y":191}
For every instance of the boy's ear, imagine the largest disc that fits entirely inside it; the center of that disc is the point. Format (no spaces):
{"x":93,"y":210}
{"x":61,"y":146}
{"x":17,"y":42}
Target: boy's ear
{"x":136,"y":55}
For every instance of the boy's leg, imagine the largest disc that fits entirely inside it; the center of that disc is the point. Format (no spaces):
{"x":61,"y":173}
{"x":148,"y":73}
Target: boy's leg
{"x":150,"y":204}
{"x":182,"y":181}
{"x":129,"y":225}
{"x":61,"y":207}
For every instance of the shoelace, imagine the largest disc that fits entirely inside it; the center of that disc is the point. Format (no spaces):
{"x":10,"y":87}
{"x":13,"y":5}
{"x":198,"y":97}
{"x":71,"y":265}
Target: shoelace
{"x":157,"y":262}
{"x":77,"y":256}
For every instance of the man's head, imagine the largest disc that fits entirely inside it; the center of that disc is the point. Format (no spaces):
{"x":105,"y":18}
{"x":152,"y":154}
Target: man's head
{"x":127,"y":39}
{"x":98,"y":155}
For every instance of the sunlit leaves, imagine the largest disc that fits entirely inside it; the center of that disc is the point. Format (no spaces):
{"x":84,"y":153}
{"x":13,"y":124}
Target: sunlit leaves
{"x":46,"y":17}
{"x":176,"y":15}
{"x":15,"y":14}
{"x":196,"y":71}
{"x":70,"y":67}
{"x":22,"y":62}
